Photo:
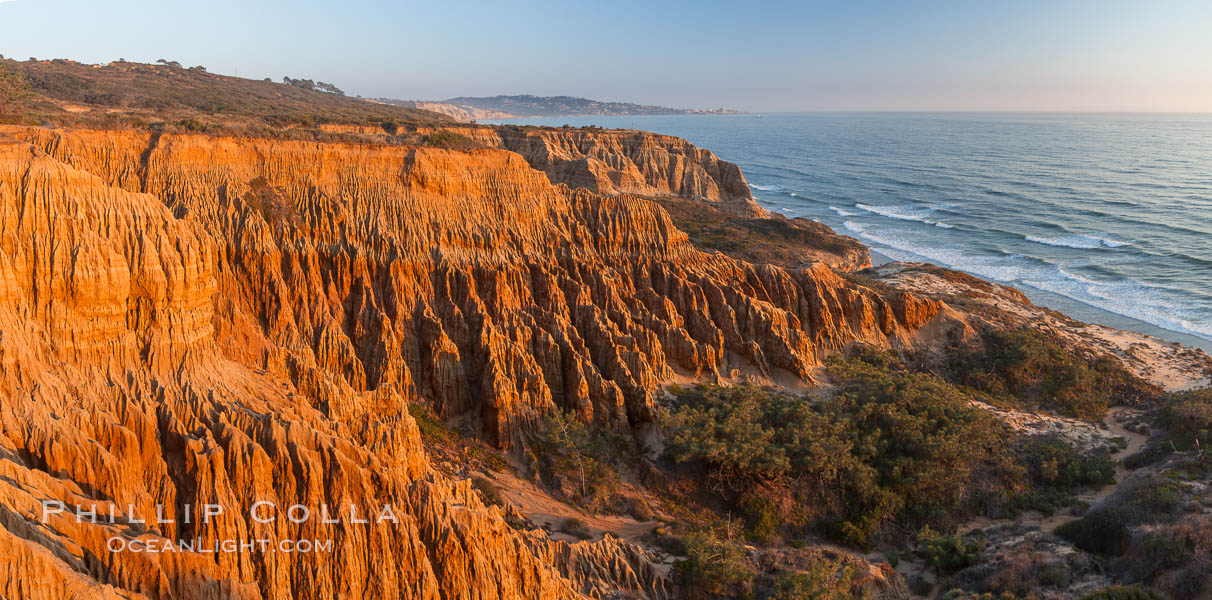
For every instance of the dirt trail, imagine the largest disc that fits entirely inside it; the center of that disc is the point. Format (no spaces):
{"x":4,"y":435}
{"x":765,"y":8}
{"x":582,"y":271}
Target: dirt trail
{"x":549,"y":513}
{"x":1135,"y":441}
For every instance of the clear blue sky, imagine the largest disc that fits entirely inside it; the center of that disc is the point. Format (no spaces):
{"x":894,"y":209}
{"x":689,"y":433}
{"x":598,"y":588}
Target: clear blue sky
{"x":1112,"y":55}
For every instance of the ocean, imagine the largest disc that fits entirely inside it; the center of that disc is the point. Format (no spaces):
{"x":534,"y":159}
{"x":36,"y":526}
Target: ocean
{"x":1107,"y":218}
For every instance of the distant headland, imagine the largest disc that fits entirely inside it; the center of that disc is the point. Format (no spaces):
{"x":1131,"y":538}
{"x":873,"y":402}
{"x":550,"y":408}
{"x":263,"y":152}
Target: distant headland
{"x":466,"y":108}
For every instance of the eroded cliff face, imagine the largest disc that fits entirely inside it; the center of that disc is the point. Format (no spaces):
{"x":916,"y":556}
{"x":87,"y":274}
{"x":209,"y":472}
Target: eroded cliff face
{"x":187,"y":320}
{"x":613,"y":162}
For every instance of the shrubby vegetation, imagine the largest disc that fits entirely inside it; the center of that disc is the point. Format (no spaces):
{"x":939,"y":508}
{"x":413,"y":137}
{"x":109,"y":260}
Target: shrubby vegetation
{"x":721,"y":567}
{"x":450,"y":140}
{"x":580,"y":464}
{"x":1107,"y":528}
{"x":1186,"y":420}
{"x":714,"y":567}
{"x":948,"y":553}
{"x":823,"y":581}
{"x":446,"y":445}
{"x":315,"y":86}
{"x":269,"y":203}
{"x":173,"y":92}
{"x":1030,"y":568}
{"x":1187,"y":417}
{"x":488,"y":490}
{"x":1176,"y":555}
{"x":14,"y":91}
{"x":777,"y":241}
{"x":891,"y":446}
{"x":1025,"y":367}
{"x":1057,"y":471}
{"x":1157,"y":529}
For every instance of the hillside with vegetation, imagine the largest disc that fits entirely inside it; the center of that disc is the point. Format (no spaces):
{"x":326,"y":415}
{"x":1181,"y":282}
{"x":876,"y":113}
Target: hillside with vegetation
{"x":128,"y":92}
{"x":501,"y":107}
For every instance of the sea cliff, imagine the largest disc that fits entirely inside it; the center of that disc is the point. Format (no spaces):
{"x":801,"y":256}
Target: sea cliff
{"x":205,"y":320}
{"x":192,"y":320}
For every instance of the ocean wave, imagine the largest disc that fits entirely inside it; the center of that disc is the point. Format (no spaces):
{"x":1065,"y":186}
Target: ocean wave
{"x":903,"y":213}
{"x":766,"y":188}
{"x":1133,"y":299}
{"x":842,"y":212}
{"x":1006,"y":268}
{"x":1157,"y":305}
{"x":1154,"y":304}
{"x":1080,"y":242}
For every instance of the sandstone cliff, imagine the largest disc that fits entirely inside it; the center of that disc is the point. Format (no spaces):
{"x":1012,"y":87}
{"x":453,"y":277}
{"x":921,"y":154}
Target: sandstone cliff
{"x":465,"y":114}
{"x":189,"y":320}
{"x":611,"y":162}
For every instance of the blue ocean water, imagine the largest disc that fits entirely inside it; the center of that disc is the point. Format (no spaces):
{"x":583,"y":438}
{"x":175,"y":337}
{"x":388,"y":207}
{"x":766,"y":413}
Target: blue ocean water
{"x":1105,"y":217}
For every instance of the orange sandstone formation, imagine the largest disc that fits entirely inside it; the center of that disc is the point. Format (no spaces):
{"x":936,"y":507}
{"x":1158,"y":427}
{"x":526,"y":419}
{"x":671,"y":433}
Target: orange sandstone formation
{"x":614,"y":162}
{"x":189,"y":321}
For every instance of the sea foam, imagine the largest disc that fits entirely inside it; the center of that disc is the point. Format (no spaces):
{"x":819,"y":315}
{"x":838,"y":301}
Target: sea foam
{"x":1080,"y":242}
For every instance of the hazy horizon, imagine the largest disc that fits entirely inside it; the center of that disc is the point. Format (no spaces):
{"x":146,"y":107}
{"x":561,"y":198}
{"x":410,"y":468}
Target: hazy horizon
{"x":1078,"y":56}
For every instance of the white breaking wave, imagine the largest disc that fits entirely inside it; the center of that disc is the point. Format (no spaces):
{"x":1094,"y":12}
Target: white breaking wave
{"x":766,"y":188}
{"x":1129,"y":298}
{"x":1081,"y":242}
{"x":843,"y":212}
{"x":903,"y":213}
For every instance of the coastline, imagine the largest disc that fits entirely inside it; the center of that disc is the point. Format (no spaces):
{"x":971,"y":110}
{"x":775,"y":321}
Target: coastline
{"x":1167,"y":364}
{"x":1089,"y":314}
{"x":839,"y":168}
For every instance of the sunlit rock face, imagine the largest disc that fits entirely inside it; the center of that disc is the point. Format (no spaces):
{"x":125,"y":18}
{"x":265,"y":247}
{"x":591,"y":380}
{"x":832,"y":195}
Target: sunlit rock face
{"x":190,"y":321}
{"x":614,"y":162}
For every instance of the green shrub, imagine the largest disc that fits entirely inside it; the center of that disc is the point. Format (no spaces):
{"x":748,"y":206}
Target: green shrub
{"x":1057,"y":470}
{"x":1024,"y":571}
{"x":1032,"y":369}
{"x":730,"y":430}
{"x":958,"y":594}
{"x":825,"y":580}
{"x":948,"y":553}
{"x":889,"y":446}
{"x":449,"y":140}
{"x":761,"y":514}
{"x":470,"y":450}
{"x":432,"y":429}
{"x":1187,"y":417}
{"x":270,"y":204}
{"x":1151,"y":454}
{"x":1106,"y":529}
{"x":579,"y":463}
{"x":713,"y":567}
{"x":192,"y":125}
{"x":639,"y":510}
{"x":1055,"y":463}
